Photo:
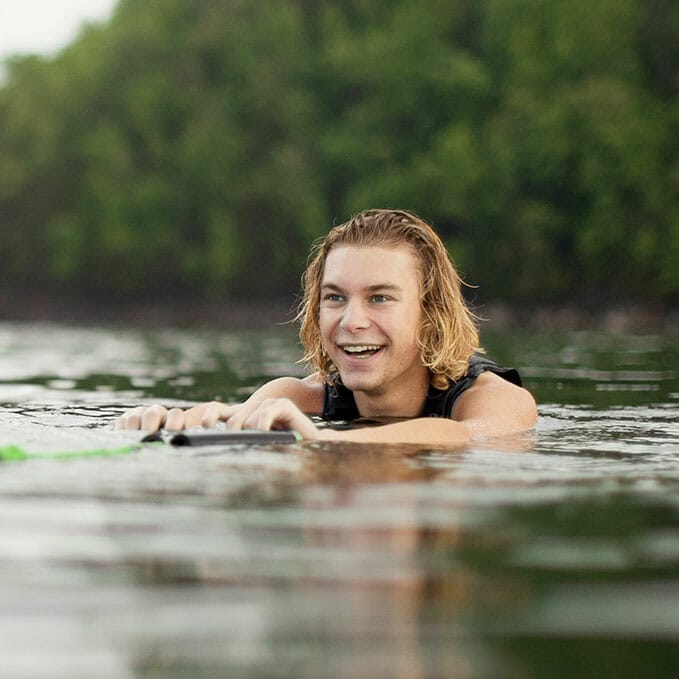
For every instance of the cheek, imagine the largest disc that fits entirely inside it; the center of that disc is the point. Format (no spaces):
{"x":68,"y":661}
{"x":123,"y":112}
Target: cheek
{"x":325,"y":323}
{"x":416,"y":320}
{"x":414,"y":325}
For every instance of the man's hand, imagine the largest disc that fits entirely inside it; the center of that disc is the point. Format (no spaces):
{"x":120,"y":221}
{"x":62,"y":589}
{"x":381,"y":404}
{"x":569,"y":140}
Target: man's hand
{"x":308,"y":393}
{"x":270,"y":413}
{"x":152,"y":418}
{"x":264,"y":414}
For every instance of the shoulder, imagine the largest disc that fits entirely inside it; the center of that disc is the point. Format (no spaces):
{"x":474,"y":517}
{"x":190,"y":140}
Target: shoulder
{"x":489,"y":380}
{"x":306,"y":393}
{"x":479,"y":364}
{"x":312,"y":391}
{"x":491,"y":389}
{"x":495,"y":401}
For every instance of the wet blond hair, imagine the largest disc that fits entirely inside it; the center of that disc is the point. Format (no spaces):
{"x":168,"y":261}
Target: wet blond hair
{"x":447,"y":336}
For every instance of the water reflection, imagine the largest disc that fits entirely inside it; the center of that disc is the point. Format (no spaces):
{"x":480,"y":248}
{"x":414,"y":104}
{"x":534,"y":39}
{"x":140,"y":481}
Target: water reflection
{"x":548,"y":555}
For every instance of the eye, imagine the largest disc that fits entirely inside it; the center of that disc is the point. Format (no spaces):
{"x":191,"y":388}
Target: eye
{"x":380,"y":299}
{"x":333,"y":298}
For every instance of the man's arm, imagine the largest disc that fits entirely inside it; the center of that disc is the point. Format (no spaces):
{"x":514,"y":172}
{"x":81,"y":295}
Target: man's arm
{"x":306,"y":394}
{"x":491,"y":407}
{"x":429,"y":431}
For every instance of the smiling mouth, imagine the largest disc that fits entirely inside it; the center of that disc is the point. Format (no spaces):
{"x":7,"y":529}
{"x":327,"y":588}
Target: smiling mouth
{"x":361,"y":350}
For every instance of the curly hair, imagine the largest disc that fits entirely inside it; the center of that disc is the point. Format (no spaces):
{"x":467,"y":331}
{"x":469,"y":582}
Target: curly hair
{"x":447,"y":336}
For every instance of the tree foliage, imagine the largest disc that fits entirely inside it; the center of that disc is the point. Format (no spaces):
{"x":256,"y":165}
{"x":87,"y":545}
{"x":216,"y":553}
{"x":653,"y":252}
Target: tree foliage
{"x":198,"y":146}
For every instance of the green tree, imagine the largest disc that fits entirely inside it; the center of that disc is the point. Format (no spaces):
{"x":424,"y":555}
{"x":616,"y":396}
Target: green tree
{"x":197,"y":147}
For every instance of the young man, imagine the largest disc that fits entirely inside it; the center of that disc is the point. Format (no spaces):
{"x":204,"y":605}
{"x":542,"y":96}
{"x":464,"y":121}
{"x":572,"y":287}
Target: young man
{"x":388,"y":336}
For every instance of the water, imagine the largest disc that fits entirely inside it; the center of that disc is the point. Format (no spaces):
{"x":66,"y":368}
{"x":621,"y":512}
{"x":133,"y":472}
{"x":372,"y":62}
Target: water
{"x":552,"y":554}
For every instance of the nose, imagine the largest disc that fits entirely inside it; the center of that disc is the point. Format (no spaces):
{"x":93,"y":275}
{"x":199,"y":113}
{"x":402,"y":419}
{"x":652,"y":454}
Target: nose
{"x":355,"y":316}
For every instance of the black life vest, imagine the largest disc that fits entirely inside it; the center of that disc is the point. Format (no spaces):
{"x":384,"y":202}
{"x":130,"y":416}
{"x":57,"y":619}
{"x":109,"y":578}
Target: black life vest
{"x":339,"y":403}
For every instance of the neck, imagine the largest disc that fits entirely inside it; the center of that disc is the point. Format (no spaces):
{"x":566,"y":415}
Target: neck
{"x":402,"y":403}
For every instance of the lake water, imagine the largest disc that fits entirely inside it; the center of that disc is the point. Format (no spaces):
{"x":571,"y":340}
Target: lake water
{"x":553,"y":554}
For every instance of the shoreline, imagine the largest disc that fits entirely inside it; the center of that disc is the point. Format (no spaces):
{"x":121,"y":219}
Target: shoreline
{"x":614,"y":318}
{"x":619,"y":317}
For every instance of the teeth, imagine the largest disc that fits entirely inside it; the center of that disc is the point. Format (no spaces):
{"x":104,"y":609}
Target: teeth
{"x":360,"y":348}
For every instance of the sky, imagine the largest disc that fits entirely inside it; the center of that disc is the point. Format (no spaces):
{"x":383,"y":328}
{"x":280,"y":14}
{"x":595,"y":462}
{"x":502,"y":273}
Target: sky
{"x":45,"y":26}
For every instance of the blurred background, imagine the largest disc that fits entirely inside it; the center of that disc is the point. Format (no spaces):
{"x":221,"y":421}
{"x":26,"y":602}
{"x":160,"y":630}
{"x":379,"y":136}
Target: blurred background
{"x":169,"y":151}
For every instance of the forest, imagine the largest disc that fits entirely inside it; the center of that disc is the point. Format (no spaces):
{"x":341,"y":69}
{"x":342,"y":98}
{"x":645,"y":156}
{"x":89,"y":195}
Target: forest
{"x":196,"y":148}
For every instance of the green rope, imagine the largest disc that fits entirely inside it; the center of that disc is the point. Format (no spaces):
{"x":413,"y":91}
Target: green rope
{"x":11,"y":453}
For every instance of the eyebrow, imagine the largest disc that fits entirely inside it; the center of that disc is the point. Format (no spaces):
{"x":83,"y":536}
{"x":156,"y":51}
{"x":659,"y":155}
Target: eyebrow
{"x":370,"y":288}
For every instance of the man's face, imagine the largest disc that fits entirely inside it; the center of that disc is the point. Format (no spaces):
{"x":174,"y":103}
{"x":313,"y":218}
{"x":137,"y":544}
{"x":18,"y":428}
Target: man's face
{"x":370,"y":313}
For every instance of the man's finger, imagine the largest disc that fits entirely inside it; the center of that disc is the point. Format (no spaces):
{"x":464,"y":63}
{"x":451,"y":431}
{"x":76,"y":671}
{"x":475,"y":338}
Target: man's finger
{"x":175,"y":420}
{"x":234,"y":415}
{"x":268,"y":413}
{"x":130,"y":419}
{"x":211,"y":414}
{"x":153,"y":418}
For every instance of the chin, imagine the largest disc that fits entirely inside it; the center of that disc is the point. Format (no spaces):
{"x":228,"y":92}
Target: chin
{"x":357,"y":384}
